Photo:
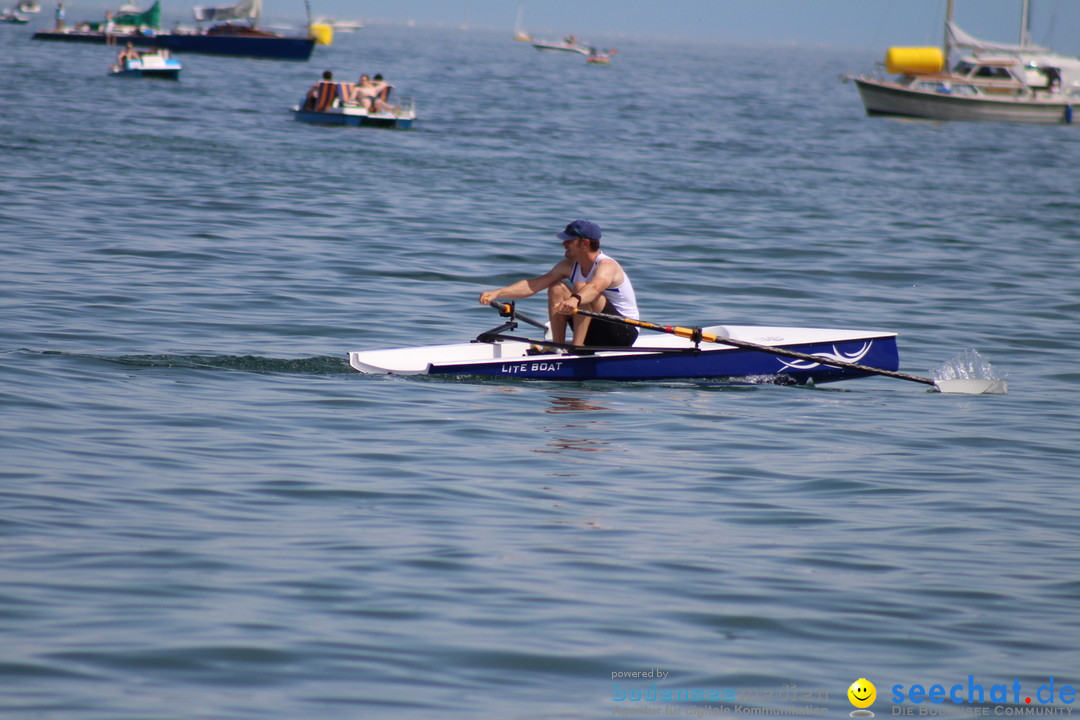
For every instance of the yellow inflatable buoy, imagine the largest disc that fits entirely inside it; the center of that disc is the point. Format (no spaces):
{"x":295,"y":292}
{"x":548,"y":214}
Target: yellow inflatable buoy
{"x":323,"y":34}
{"x":914,"y":60}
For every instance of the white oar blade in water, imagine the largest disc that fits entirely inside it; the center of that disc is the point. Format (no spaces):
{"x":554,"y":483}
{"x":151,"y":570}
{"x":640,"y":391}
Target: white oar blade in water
{"x":972,"y":386}
{"x":969,"y":374}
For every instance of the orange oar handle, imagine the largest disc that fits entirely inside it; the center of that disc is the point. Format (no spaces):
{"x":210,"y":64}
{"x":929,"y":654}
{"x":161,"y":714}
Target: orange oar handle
{"x":691,"y":333}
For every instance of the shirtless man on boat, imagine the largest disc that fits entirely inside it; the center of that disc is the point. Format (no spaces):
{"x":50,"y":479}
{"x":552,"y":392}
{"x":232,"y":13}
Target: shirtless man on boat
{"x":585,"y":278}
{"x":128,"y":53}
{"x":369,"y":94}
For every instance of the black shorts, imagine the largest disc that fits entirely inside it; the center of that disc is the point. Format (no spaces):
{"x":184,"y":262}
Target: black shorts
{"x":603,"y":332}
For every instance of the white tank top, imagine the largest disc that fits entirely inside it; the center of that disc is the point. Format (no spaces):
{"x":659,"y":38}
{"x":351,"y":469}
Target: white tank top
{"x":622,"y":298}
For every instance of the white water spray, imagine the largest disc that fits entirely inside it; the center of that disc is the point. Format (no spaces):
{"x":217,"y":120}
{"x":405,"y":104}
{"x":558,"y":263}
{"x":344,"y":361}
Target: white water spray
{"x":968,"y":365}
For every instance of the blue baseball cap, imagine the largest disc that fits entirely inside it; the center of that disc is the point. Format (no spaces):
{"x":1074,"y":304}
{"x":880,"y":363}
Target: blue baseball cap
{"x":580,"y":229}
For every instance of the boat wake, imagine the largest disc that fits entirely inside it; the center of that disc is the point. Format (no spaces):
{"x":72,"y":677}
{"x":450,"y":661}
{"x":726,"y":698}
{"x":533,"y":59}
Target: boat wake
{"x":320,"y":365}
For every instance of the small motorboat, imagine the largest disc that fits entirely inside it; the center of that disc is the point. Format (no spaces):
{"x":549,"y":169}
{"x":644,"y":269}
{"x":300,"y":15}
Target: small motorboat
{"x":150,"y":64}
{"x":596,"y":57}
{"x":13,"y":17}
{"x":567,"y":44}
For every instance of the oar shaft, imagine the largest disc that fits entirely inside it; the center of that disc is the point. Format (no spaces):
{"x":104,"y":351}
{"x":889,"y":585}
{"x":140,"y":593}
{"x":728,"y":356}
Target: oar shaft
{"x":695,"y":334}
{"x":816,"y":358}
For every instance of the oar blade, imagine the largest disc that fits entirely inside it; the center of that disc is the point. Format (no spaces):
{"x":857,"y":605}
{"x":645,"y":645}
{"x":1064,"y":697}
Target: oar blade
{"x":972,"y":386}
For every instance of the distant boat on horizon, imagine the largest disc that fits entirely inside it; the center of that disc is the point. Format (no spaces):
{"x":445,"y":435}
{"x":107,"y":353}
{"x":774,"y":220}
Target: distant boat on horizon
{"x":342,"y":25}
{"x":13,"y":17}
{"x":519,"y":30}
{"x":989,"y":81}
{"x":228,"y":39}
{"x":567,"y":44}
{"x":597,"y":57}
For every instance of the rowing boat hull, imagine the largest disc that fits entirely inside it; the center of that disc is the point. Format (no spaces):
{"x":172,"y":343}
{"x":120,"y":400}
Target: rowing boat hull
{"x":679,"y":361}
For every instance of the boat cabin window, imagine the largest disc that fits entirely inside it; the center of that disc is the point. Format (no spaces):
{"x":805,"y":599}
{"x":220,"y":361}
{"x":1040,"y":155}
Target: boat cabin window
{"x":963,"y":68}
{"x":997,"y":73}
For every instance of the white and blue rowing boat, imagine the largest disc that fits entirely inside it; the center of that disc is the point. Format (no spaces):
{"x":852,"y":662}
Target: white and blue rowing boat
{"x":650,"y":358}
{"x":735,"y":353}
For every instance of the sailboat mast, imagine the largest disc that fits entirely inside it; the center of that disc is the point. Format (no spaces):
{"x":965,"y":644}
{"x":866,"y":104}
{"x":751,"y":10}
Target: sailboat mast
{"x":1025,"y":24}
{"x":948,"y":19}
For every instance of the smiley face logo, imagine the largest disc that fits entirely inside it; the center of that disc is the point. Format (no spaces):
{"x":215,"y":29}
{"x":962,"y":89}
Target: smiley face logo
{"x":862,"y":693}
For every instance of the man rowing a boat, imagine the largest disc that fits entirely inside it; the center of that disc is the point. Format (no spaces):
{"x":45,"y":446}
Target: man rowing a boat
{"x":587,"y":279}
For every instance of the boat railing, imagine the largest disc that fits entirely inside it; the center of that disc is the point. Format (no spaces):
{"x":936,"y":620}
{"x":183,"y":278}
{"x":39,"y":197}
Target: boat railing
{"x":405,"y":106}
{"x":966,"y":86}
{"x":951,"y":82}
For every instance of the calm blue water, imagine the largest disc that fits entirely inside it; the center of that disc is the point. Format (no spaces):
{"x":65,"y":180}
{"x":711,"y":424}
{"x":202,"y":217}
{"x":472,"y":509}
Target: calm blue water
{"x":205,"y":514}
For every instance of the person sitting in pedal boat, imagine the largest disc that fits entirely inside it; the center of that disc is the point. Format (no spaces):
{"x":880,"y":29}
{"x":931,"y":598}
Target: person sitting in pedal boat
{"x":585,"y":278}
{"x":322,"y":94}
{"x":366,"y":94}
{"x":128,"y":53}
